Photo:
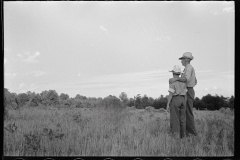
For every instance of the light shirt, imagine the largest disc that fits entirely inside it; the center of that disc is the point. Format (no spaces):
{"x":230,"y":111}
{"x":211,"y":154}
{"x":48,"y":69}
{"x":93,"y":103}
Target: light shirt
{"x":177,"y":88}
{"x":189,"y":74}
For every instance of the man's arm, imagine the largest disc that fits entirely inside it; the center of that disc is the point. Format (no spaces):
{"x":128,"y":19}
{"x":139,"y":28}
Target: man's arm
{"x":181,"y":79}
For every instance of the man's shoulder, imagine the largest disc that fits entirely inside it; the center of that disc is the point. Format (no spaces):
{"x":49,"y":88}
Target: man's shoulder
{"x":189,"y":66}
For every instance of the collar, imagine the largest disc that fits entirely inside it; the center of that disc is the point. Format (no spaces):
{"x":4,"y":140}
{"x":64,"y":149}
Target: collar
{"x":188,"y":65}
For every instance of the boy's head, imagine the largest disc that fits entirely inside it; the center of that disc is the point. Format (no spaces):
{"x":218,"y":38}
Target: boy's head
{"x":176,"y":71}
{"x":176,"y":74}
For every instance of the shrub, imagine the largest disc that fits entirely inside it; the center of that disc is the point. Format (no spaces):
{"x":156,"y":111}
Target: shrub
{"x":22,"y":99}
{"x":50,"y":98}
{"x":149,"y":109}
{"x":161,"y":110}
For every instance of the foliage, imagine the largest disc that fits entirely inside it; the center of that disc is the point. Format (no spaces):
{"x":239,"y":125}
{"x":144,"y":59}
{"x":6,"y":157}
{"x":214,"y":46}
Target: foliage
{"x":78,"y":96}
{"x":160,"y":102}
{"x":49,"y":98}
{"x":63,"y":96}
{"x":111,"y":101}
{"x":214,"y":102}
{"x":123,"y":97}
{"x":22,"y":99}
{"x":138,"y":101}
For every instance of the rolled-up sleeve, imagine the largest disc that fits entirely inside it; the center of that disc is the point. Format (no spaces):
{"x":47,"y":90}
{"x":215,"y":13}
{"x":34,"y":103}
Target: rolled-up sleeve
{"x":171,"y":88}
{"x":188,"y":73}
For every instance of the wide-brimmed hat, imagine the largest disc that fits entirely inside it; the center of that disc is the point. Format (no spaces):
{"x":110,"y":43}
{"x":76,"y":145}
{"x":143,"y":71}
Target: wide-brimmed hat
{"x":176,"y":69}
{"x":187,"y":55}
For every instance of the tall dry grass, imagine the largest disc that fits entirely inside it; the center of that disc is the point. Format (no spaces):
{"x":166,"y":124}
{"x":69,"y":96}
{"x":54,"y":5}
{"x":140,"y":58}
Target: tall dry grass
{"x":112,"y":132}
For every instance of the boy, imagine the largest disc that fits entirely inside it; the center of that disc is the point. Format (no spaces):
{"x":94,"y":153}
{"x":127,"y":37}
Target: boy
{"x":177,"y":104}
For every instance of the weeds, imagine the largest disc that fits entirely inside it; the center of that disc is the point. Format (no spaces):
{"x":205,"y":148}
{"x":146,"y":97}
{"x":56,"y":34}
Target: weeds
{"x":113,"y":132}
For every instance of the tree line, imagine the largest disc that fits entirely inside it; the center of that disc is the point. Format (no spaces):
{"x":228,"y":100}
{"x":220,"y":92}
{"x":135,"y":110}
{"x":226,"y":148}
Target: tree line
{"x":51,"y":98}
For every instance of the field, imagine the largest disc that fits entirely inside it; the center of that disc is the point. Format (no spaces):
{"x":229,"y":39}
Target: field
{"x":113,"y":131}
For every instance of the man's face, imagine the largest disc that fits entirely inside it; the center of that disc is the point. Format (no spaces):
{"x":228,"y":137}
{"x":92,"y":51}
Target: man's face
{"x":183,"y":62}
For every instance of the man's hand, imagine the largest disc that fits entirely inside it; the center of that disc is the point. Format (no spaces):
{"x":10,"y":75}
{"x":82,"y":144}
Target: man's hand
{"x":168,"y":110}
{"x":171,"y":80}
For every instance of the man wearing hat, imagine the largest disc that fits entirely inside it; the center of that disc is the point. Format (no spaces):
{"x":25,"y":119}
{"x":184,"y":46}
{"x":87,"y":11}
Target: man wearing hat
{"x":177,"y":102}
{"x":189,"y":78}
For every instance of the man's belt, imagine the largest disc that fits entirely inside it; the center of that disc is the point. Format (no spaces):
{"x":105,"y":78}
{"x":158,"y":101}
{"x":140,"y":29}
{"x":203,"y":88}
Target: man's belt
{"x":178,"y":95}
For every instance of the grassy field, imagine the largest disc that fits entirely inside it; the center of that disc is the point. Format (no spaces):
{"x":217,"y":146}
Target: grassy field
{"x":113,"y":132}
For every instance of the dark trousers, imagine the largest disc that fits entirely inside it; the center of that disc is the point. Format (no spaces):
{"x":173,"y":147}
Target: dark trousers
{"x":178,"y":115}
{"x":190,"y":126}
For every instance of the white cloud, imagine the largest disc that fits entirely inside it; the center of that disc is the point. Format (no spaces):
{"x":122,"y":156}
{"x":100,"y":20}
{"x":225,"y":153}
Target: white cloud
{"x":10,"y":75}
{"x":215,"y":13}
{"x":215,"y":87}
{"x":206,"y":89}
{"x":79,"y":74}
{"x":163,"y":38}
{"x":103,"y":28}
{"x":29,"y":58}
{"x":32,"y":87}
{"x":21,"y":85}
{"x":228,"y":9}
{"x":38,"y":73}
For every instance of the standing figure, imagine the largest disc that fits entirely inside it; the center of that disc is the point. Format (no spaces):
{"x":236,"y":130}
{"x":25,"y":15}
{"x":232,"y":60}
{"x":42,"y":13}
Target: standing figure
{"x":189,"y":78}
{"x":177,"y":104}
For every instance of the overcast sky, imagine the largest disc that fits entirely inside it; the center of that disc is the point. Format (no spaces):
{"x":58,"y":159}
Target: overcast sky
{"x":98,"y":49}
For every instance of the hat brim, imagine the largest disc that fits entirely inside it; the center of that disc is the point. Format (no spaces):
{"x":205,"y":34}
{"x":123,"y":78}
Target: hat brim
{"x":186,"y":58}
{"x":175,"y":72}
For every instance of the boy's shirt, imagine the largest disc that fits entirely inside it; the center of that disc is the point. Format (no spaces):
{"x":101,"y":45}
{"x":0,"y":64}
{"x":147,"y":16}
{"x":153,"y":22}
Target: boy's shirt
{"x":177,"y":88}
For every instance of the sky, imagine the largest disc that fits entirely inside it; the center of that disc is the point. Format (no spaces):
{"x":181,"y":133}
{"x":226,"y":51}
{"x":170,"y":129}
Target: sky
{"x":103,"y":48}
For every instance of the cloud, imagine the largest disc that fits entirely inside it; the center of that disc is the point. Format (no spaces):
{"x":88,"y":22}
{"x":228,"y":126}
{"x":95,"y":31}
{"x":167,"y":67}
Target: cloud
{"x":228,"y":9}
{"x":163,"y":38}
{"x":10,"y":75}
{"x":79,"y":74}
{"x":29,"y":58}
{"x":38,"y":73}
{"x":215,"y":13}
{"x":215,"y":87}
{"x":21,"y":85}
{"x":33,"y":86}
{"x":206,"y":89}
{"x":103,"y":28}
{"x":5,"y":60}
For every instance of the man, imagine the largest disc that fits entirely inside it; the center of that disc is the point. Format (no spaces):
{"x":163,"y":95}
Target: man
{"x":189,"y":78}
{"x":177,"y":102}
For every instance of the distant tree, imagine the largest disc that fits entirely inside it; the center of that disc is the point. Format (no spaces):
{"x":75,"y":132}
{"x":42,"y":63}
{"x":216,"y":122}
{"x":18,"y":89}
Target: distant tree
{"x":138,"y":101}
{"x":215,"y":102}
{"x":50,"y":98}
{"x":199,"y":105}
{"x":130,"y":102}
{"x":78,"y":96}
{"x":22,"y":99}
{"x":144,"y":101}
{"x":150,"y":101}
{"x":231,"y":102}
{"x":7,"y":98}
{"x":160,"y":102}
{"x":63,"y":96}
{"x":123,"y":97}
{"x":112,"y":102}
